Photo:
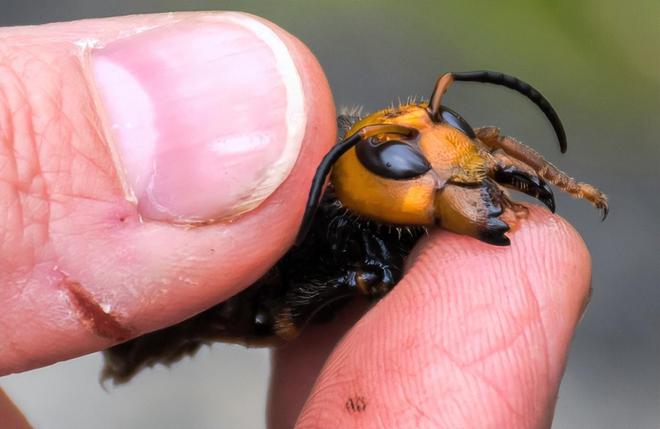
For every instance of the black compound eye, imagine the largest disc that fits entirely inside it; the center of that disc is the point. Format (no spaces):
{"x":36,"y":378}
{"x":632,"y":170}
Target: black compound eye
{"x":392,"y":159}
{"x":455,"y":120}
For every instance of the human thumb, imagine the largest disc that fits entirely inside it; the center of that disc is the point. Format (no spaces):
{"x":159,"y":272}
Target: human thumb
{"x":150,"y":167}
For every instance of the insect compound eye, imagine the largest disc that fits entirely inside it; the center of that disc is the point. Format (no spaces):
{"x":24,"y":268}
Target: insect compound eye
{"x":455,"y":120}
{"x":392,"y":159}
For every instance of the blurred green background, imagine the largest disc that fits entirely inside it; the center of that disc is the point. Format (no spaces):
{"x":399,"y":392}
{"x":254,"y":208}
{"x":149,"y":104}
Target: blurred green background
{"x":597,"y":61}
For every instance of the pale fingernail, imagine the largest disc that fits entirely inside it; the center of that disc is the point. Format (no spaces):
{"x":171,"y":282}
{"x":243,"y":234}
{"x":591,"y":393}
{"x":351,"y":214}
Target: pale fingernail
{"x":206,"y":115}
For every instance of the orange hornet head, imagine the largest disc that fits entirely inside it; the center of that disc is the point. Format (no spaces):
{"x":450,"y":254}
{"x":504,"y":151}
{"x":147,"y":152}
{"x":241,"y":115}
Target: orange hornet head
{"x":436,"y":175}
{"x":423,"y":164}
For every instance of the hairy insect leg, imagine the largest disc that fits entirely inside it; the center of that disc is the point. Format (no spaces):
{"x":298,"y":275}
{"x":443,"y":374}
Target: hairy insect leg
{"x":516,"y":175}
{"x":492,"y":138}
{"x":316,"y":299}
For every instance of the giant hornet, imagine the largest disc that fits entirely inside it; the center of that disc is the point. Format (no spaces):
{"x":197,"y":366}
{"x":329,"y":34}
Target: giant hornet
{"x":396,"y":172}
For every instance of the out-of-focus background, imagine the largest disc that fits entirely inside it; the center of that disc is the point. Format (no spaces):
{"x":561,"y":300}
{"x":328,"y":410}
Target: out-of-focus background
{"x":598,"y":61}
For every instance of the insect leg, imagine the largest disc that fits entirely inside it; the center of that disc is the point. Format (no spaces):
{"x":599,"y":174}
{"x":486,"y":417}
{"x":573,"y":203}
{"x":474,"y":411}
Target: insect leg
{"x":491,"y":137}
{"x":375,"y":270}
{"x":516,"y":175}
{"x":314,"y":301}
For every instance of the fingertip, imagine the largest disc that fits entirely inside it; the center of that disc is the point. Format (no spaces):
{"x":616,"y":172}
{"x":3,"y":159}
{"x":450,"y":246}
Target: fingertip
{"x":544,"y":248}
{"x":473,"y":336}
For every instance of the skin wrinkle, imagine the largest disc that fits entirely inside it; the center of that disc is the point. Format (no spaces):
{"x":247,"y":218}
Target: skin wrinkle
{"x":36,"y":132}
{"x":379,"y":419}
{"x":500,"y":394}
{"x":554,"y":257}
{"x":17,"y":176}
{"x":518,"y":328}
{"x":412,"y":390}
{"x":500,"y":350}
{"x":536,"y":319}
{"x":529,"y":288}
{"x":75,"y":186}
{"x":420,"y":414}
{"x":417,"y":389}
{"x":40,"y":217}
{"x":469,"y":368}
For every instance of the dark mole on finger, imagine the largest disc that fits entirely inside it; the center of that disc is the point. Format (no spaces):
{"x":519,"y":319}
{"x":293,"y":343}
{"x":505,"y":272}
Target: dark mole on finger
{"x":102,"y":323}
{"x":356,"y":404}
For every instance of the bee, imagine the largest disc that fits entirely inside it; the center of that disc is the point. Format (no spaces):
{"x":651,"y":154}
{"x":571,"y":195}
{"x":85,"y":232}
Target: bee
{"x":396,"y":172}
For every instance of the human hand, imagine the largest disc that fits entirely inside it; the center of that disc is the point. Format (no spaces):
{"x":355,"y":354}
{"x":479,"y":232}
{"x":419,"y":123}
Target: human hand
{"x":473,"y":335}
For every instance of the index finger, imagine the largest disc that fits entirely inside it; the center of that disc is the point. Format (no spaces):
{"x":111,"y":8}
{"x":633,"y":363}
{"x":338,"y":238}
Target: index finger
{"x":473,"y":336}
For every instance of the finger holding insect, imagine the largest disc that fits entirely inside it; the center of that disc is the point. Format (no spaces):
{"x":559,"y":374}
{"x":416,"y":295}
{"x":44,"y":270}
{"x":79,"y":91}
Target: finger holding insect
{"x":397,"y":171}
{"x":368,"y":371}
{"x":454,"y":345}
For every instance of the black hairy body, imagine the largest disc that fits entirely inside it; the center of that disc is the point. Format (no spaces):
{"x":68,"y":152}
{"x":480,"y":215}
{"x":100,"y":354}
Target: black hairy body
{"x":343,"y":256}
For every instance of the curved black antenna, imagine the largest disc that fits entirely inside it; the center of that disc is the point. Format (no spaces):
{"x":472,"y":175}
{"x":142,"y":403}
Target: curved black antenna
{"x":319,"y":179}
{"x":496,"y":78}
{"x":525,"y":89}
{"x":328,"y":161}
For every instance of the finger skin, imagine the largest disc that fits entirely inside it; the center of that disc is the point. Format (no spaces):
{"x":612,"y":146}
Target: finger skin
{"x":68,"y":226}
{"x":474,"y":336}
{"x":10,"y":416}
{"x":295,"y":366}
